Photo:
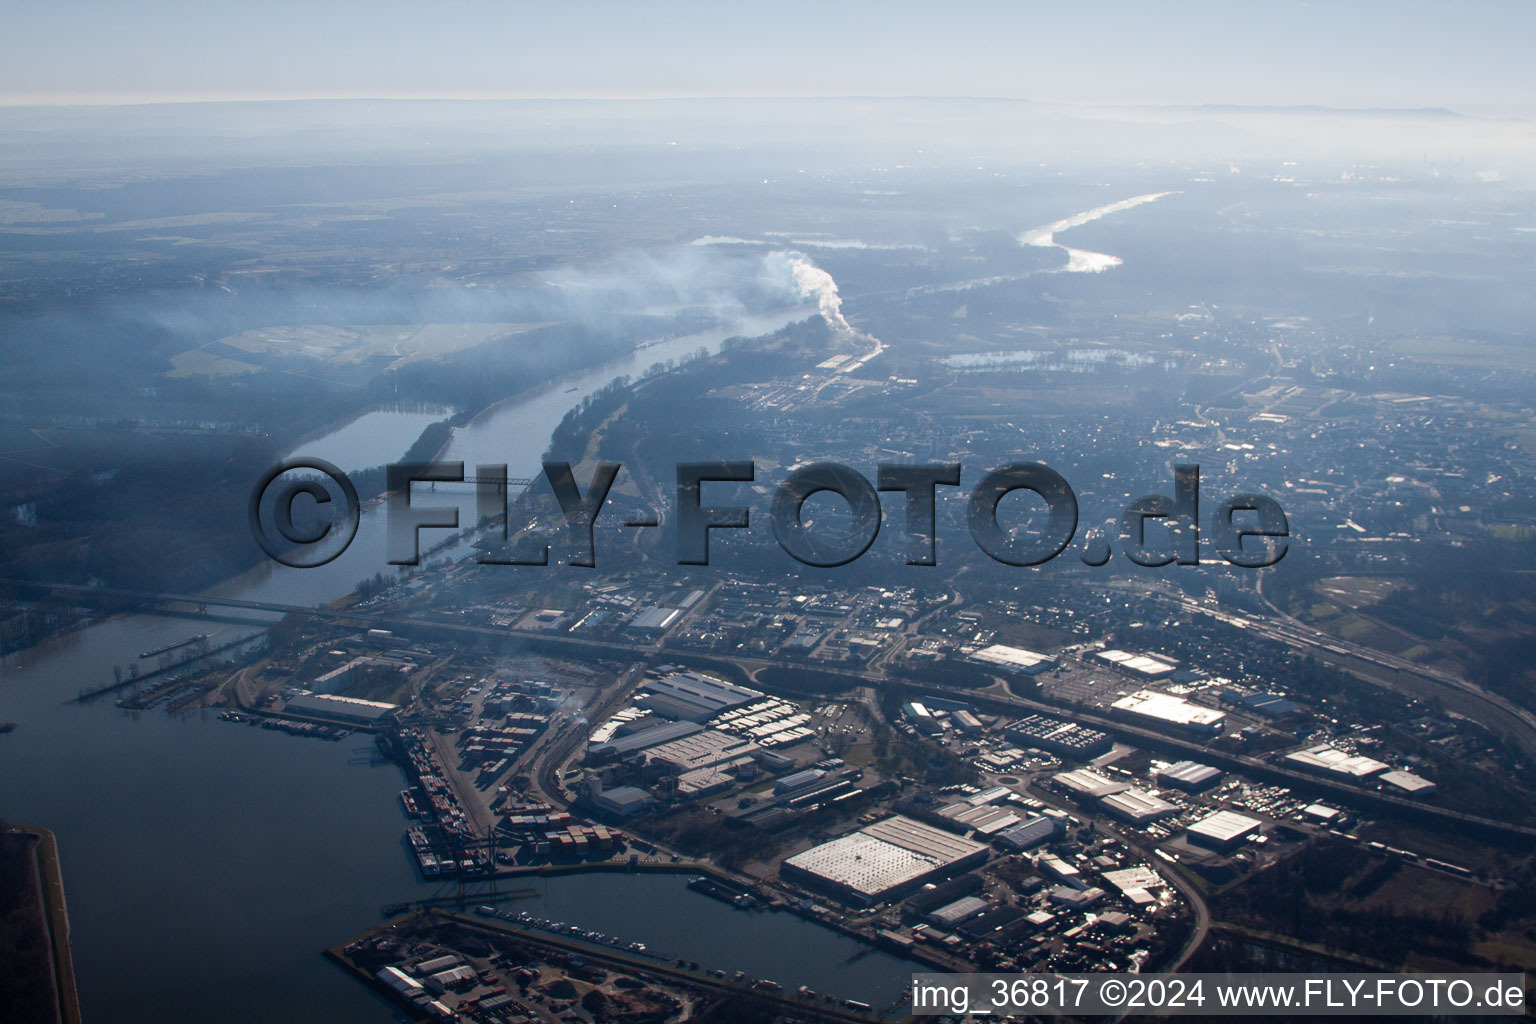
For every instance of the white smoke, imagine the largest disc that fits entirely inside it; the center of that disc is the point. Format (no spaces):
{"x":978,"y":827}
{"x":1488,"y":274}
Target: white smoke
{"x":726,"y":240}
{"x":811,"y":282}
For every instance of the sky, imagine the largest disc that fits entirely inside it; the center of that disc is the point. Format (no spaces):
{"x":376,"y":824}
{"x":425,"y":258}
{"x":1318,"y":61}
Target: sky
{"x":1472,"y":57}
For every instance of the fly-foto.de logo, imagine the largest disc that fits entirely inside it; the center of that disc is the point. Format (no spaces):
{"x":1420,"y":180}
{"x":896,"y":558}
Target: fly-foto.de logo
{"x":305,"y":512}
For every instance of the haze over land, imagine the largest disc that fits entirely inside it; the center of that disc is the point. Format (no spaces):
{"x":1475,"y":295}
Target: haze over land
{"x":1295,"y":248}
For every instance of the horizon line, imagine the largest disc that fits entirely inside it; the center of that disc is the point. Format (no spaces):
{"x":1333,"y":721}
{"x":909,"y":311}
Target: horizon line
{"x":57,"y":101}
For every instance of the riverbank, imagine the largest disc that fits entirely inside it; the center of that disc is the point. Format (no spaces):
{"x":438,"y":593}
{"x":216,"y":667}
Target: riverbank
{"x":774,"y":903}
{"x":50,"y":924}
{"x":572,"y":950}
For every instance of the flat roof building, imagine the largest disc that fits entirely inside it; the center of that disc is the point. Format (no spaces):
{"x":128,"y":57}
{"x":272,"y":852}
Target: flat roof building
{"x":1407,"y":782}
{"x":702,"y":782}
{"x":922,"y":719}
{"x":798,"y":781}
{"x":1136,"y":883}
{"x":966,"y":722}
{"x":1138,"y":806}
{"x":1330,"y":760}
{"x":1137,"y":665}
{"x":1067,"y":739}
{"x":1014,"y":659}
{"x":883,"y":859}
{"x":701,"y":750}
{"x":1322,"y":813}
{"x":1223,"y":830}
{"x":351,"y":709}
{"x":692,"y":696}
{"x":625,"y":801}
{"x":963,"y":909}
{"x":1061,"y":870}
{"x":1077,"y":899}
{"x":1028,"y":833}
{"x":1189,"y":776}
{"x":620,"y":747}
{"x":1087,"y":782}
{"x":1167,"y":711}
{"x":655,"y":619}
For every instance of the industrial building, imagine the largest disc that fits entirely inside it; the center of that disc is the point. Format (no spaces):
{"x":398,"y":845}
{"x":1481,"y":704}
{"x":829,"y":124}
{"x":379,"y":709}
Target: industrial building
{"x":1077,"y":899}
{"x":345,"y":675}
{"x":1407,"y":782}
{"x":1067,"y":739}
{"x":620,"y":747}
{"x":692,"y":696}
{"x":1325,"y":759}
{"x":923,"y":720}
{"x":983,"y":818}
{"x":401,"y":982}
{"x":1266,"y":705}
{"x":963,"y":909}
{"x":1138,"y":806}
{"x":1090,"y":783}
{"x":791,"y":784}
{"x":700,"y":750}
{"x":655,"y":619}
{"x":966,"y":722}
{"x":931,"y":897}
{"x":1014,"y":659}
{"x":1167,"y":711}
{"x":882,"y":860}
{"x":702,"y":782}
{"x":1060,"y":870}
{"x":1028,"y":833}
{"x":1138,"y":666}
{"x":349,"y":709}
{"x":1323,"y":814}
{"x":451,"y":978}
{"x":1189,"y":776}
{"x":1223,"y":830}
{"x":625,"y":801}
{"x":1136,"y":883}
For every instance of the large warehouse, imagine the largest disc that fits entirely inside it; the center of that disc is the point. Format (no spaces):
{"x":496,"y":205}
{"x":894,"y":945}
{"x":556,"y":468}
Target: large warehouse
{"x":694,"y":697}
{"x":1157,"y":709}
{"x":620,"y":747}
{"x":1014,"y":659}
{"x":701,"y":750}
{"x":883,"y":860}
{"x":1087,"y":782}
{"x":1188,"y":776}
{"x":1138,"y":806}
{"x":1223,"y":830}
{"x":1135,"y":665}
{"x":1330,"y":760}
{"x":348,"y":709}
{"x":1065,"y":738}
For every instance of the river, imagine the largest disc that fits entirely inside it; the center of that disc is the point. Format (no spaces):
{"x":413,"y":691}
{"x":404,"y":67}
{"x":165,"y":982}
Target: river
{"x":207,"y":864}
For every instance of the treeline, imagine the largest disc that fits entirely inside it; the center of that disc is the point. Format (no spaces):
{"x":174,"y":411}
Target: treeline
{"x":1314,"y":896}
{"x":174,"y":523}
